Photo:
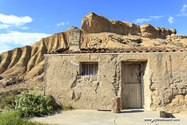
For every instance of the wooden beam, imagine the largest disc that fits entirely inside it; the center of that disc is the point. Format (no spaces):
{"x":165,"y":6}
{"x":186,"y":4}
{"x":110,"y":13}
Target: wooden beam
{"x":116,"y":107}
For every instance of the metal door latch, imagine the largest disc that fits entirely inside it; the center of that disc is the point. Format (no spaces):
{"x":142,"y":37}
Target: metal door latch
{"x":138,"y":74}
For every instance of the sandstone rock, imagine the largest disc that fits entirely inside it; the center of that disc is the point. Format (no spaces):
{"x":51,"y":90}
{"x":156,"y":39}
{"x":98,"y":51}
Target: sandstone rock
{"x":93,"y":23}
{"x":173,"y":31}
{"x":175,"y":101}
{"x":184,"y":91}
{"x":183,"y":102}
{"x":163,"y":42}
{"x":132,"y":29}
{"x":135,"y":44}
{"x":154,"y":93}
{"x":181,"y":97}
{"x":95,"y":82}
{"x":174,"y":37}
{"x":119,"y":39}
{"x":168,"y":107}
{"x":177,"y":109}
{"x":166,"y":101}
{"x":153,"y":108}
{"x":148,"y":31}
{"x":153,"y":87}
{"x":184,"y":41}
{"x":185,"y":97}
{"x":156,"y":100}
{"x":175,"y":91}
{"x":94,"y":43}
{"x":135,"y":40}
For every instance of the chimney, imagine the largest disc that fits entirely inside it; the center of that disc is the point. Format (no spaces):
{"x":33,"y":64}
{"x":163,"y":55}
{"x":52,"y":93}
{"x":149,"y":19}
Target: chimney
{"x":75,"y":40}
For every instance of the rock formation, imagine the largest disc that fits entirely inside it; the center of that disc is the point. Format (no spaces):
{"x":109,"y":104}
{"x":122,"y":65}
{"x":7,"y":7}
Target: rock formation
{"x":93,"y":23}
{"x":96,"y":31}
{"x":28,"y":61}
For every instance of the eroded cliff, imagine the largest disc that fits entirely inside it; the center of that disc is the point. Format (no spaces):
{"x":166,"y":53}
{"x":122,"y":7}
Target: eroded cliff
{"x":28,"y":61}
{"x":96,"y":31}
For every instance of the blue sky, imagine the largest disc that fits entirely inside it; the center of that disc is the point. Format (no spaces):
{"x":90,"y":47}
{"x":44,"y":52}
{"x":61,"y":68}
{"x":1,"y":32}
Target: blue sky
{"x":23,"y":22}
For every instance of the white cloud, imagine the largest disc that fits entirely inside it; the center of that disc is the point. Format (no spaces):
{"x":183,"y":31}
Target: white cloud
{"x":62,"y":24}
{"x":184,"y":8}
{"x":171,"y":20}
{"x":142,"y":20}
{"x":183,"y":11}
{"x":4,"y":26}
{"x":156,"y":17}
{"x":20,"y":38}
{"x":184,"y":14}
{"x":24,"y":28}
{"x":10,"y":20}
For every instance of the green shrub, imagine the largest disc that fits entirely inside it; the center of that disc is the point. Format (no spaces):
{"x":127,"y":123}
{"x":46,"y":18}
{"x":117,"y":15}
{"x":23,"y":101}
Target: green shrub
{"x":30,"y":105}
{"x":7,"y":99}
{"x":66,"y":106}
{"x":57,"y":106}
{"x":14,"y":118}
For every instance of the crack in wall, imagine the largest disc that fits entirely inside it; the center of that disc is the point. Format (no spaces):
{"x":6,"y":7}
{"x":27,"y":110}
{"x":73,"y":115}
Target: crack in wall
{"x":96,"y":87}
{"x":73,"y":95}
{"x":74,"y":83}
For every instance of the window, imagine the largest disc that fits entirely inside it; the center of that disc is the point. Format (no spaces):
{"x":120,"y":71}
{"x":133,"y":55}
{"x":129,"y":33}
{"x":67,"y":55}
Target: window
{"x":89,"y":68}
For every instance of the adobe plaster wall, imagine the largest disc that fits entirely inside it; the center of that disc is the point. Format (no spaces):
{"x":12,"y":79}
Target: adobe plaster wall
{"x":164,"y":80}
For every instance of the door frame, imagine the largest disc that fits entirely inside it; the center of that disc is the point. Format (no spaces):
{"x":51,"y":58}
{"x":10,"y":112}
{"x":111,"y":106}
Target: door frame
{"x":142,"y":66}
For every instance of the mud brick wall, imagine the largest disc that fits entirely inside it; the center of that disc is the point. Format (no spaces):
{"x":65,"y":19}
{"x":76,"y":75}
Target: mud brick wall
{"x":164,"y":81}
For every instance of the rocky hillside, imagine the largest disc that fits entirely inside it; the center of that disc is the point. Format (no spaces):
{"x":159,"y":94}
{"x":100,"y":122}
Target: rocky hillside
{"x":28,"y":61}
{"x":96,"y":31}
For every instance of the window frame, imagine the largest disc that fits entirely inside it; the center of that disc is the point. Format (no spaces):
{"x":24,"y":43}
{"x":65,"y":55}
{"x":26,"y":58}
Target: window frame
{"x":88,"y":63}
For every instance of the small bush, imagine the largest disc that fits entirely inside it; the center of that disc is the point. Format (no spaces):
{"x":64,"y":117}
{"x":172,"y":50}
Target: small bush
{"x":14,"y":118}
{"x":66,"y":106}
{"x":32,"y":88}
{"x":30,"y":105}
{"x":57,"y":106}
{"x":8,"y":99}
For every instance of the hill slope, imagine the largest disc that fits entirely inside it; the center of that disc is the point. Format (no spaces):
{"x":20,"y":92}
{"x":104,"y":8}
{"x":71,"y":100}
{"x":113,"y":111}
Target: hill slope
{"x":28,"y":61}
{"x":96,"y":31}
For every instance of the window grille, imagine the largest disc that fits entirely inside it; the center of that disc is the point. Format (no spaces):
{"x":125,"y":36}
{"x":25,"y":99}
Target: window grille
{"x":89,"y":68}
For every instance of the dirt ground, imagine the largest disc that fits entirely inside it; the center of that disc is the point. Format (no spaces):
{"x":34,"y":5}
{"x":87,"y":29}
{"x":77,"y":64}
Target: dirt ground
{"x":33,"y":85}
{"x":126,"y":117}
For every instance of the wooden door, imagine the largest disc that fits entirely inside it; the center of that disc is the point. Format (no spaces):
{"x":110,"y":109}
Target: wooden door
{"x":132,"y":86}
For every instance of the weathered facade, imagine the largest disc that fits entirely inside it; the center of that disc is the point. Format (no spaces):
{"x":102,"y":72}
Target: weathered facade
{"x":163,"y":79}
{"x":143,"y":77}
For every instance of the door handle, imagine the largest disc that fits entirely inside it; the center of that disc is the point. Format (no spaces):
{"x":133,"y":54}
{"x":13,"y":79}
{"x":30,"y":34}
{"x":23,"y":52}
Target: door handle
{"x":138,"y":74}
